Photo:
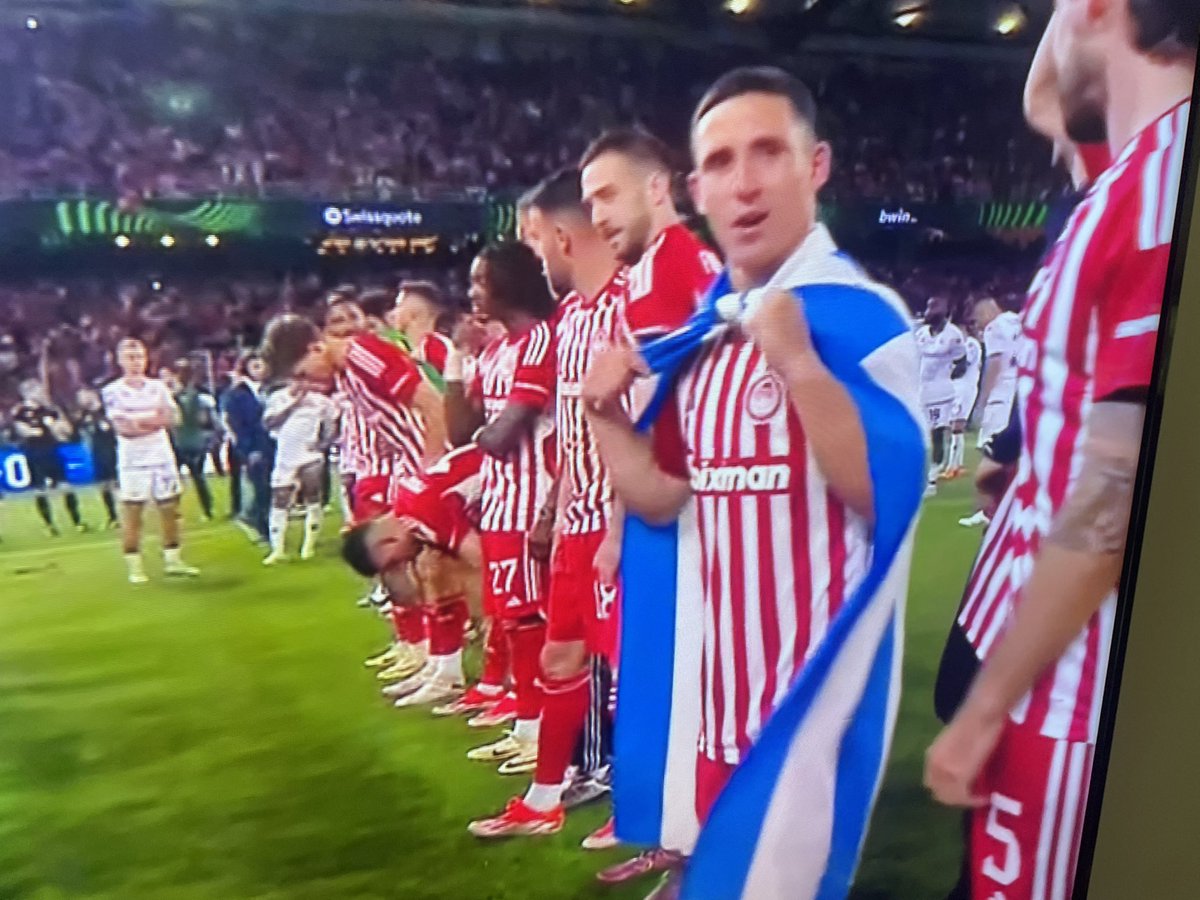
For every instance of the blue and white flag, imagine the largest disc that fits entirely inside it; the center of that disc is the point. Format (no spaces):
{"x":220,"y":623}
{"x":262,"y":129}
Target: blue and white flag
{"x":792,"y":820}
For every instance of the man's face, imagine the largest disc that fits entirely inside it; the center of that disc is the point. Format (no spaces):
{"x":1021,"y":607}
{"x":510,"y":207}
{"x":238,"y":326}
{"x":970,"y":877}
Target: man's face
{"x":256,"y":369}
{"x":553,"y":248}
{"x":527,"y":227}
{"x":1077,"y":43}
{"x":619,"y":192}
{"x":317,"y":364}
{"x":984,"y":314}
{"x":131,"y":357}
{"x":344,"y":320}
{"x":480,"y":293}
{"x":758,"y":170}
{"x":391,"y":544}
{"x":410,"y":308}
{"x":936,"y":311}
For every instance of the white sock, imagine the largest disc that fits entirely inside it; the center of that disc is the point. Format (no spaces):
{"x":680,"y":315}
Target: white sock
{"x":543,"y":797}
{"x":527,"y":730}
{"x":133,"y":562}
{"x":449,"y":667}
{"x":277,"y":528}
{"x":956,"y":450}
{"x":312,"y":527}
{"x":172,"y":557}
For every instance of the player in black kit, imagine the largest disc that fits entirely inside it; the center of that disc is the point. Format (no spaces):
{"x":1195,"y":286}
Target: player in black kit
{"x":97,"y":432}
{"x":39,"y":429}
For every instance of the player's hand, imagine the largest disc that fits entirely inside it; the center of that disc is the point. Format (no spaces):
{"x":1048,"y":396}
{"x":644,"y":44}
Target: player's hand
{"x":611,"y":374}
{"x":470,"y":336}
{"x":779,"y":327}
{"x":956,"y":759}
{"x":541,"y":538}
{"x":607,"y":561}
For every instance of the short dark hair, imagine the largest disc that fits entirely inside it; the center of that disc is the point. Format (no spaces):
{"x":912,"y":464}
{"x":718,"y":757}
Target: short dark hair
{"x":357,"y":553}
{"x":343,"y":293}
{"x":515,"y":277}
{"x":428,"y":291}
{"x":633,"y":142}
{"x":285,"y":342}
{"x":560,"y":192}
{"x":1167,"y":28}
{"x":759,"y":80}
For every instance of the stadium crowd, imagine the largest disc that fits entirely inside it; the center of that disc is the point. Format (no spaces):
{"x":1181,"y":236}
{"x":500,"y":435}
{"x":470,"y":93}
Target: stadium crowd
{"x":301,"y":107}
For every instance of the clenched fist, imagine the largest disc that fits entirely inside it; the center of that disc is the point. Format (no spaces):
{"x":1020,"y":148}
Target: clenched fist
{"x":779,"y":328}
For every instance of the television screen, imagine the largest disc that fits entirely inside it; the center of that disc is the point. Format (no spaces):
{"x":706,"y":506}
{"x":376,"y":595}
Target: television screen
{"x":589,"y":448}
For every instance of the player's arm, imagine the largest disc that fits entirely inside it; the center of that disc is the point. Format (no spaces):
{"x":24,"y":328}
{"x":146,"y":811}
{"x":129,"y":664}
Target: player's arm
{"x":503,"y":435}
{"x":464,"y":416}
{"x":428,"y":403}
{"x":827,"y":412}
{"x":1075,"y":570}
{"x":992,"y":363}
{"x":642,"y":485}
{"x":24,"y":430}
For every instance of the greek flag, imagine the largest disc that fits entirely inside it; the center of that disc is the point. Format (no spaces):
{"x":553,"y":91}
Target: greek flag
{"x":793,"y":818}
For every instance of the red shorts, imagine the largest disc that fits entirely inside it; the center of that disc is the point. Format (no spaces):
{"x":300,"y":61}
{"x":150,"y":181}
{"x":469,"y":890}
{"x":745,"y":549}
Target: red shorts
{"x":1025,"y":843}
{"x":369,"y":498}
{"x":580,"y":608}
{"x":514,"y":583}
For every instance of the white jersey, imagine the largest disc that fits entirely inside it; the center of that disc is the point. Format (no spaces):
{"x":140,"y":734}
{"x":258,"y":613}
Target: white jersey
{"x":939,"y":353}
{"x":297,"y":439}
{"x":137,"y":403}
{"x":1001,"y":339}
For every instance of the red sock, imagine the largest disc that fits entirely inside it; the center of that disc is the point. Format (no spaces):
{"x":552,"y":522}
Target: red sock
{"x":409,"y":624}
{"x":446,"y":623}
{"x":525,"y":640}
{"x":564,"y":709}
{"x":495,"y":656}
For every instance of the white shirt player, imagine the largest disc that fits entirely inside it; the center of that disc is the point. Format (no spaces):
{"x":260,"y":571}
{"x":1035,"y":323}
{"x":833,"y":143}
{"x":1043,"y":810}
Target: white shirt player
{"x":137,"y":403}
{"x":939,"y":352}
{"x":1001,"y":339}
{"x":298,"y":437}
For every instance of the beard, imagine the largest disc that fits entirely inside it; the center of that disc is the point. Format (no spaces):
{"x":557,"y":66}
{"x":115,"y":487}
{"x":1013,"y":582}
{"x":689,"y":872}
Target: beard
{"x":1084,"y":99}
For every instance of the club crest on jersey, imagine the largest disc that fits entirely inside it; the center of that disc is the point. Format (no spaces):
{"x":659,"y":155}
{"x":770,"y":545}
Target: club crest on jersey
{"x":765,"y":397}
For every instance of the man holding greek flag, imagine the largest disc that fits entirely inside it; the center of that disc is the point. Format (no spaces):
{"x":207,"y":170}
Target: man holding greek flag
{"x":772,"y":512}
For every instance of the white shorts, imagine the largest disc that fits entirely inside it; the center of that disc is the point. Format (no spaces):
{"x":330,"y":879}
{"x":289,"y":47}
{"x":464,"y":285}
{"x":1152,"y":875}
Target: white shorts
{"x":287,"y":474}
{"x":993,"y":421}
{"x":939,"y":415}
{"x":145,"y":483}
{"x":964,"y":402}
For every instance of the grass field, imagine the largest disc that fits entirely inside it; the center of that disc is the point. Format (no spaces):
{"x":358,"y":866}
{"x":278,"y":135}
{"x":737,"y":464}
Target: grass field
{"x":219,"y":738}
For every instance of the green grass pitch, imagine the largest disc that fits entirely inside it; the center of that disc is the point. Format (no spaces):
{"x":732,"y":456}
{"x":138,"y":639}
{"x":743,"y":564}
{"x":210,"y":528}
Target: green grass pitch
{"x":219,"y":739}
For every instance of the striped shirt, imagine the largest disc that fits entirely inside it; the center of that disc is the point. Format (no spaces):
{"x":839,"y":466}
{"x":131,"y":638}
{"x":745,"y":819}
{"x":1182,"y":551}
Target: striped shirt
{"x":517,"y":369}
{"x":1090,"y":329}
{"x":379,"y":380}
{"x":584,"y":327}
{"x":779,"y":553}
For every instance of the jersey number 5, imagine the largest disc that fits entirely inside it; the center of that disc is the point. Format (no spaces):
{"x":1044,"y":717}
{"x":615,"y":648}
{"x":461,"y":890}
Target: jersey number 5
{"x":1009,"y":870}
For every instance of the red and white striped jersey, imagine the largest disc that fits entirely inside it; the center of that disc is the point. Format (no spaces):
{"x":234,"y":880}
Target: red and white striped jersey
{"x":1089,"y":330}
{"x":585,"y":326}
{"x":379,"y":380}
{"x":442,"y":502}
{"x":517,"y":368}
{"x":667,"y":283}
{"x":435,"y":349}
{"x":779,"y":553}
